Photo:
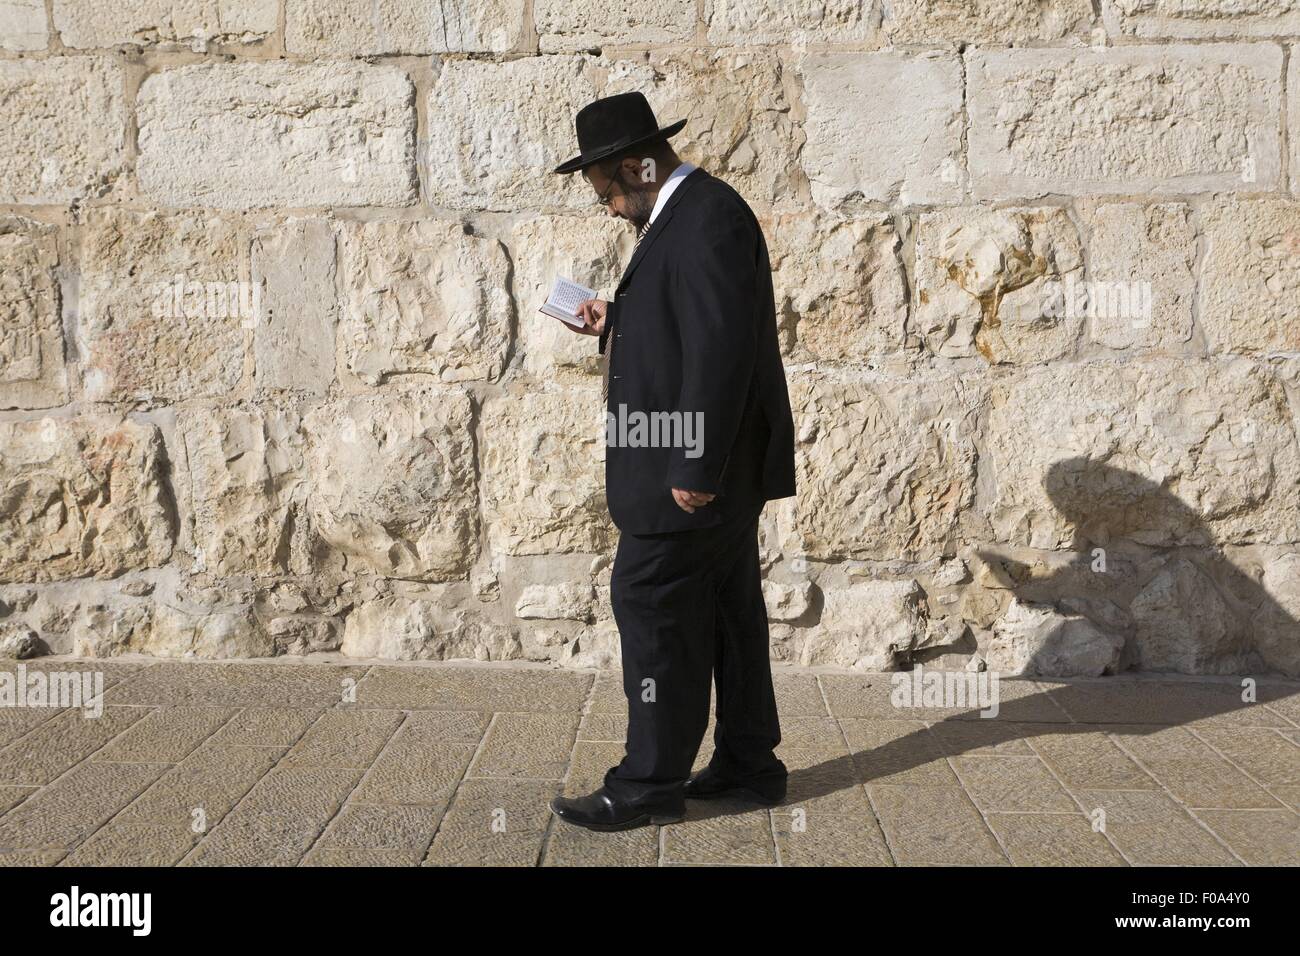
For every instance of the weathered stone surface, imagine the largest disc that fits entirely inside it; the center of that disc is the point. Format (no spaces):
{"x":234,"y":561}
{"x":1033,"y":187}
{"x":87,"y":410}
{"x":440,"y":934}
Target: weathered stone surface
{"x":424,"y":630}
{"x":1206,"y":18}
{"x":1250,"y":276}
{"x":740,"y":122}
{"x":884,"y":469}
{"x":1293,"y":119}
{"x":277,"y":134}
{"x":543,"y":460}
{"x":983,"y":21}
{"x":82,"y":496}
{"x":423,"y":297}
{"x":734,"y":22}
{"x":1140,"y":275}
{"x":786,"y":602}
{"x":64,"y":128}
{"x":555,"y":602}
{"x":1159,"y":452}
{"x":167,"y":305}
{"x":839,"y":284}
{"x":246,"y":480}
{"x":1037,"y":640}
{"x":393,"y":485}
{"x":1184,"y":625}
{"x":365,"y":28}
{"x":23,"y":25}
{"x":567,"y":27}
{"x":869,"y":625}
{"x":1136,"y":119}
{"x":496,"y":141}
{"x":293,"y":342}
{"x":87,"y":24}
{"x":18,"y":641}
{"x":211,"y":633}
{"x":591,"y":251}
{"x":996,"y":283}
{"x":900,"y":141}
{"x":1275,"y":623}
{"x":32,"y":374}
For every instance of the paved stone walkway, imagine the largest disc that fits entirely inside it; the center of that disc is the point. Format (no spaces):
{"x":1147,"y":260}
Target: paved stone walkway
{"x":445,"y":764}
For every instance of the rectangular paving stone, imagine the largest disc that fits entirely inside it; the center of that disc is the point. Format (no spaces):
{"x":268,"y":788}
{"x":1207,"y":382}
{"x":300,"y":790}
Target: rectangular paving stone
{"x":607,"y":697}
{"x":452,"y":726}
{"x":721,"y":832}
{"x":933,"y":825}
{"x":344,"y":738}
{"x":1012,"y":784}
{"x":165,"y":735}
{"x":1269,"y":757}
{"x":1191,"y":769}
{"x":1140,"y":701}
{"x":276,"y":685}
{"x":57,"y":744}
{"x":527,"y":745}
{"x":122,"y":843}
{"x":603,"y":727}
{"x":1151,"y":830}
{"x":575,"y":846}
{"x":829,"y":839}
{"x":22,"y":858}
{"x":798,"y":695}
{"x":310,"y":790}
{"x":10,"y":797}
{"x":1052,"y":839}
{"x":812,"y":733}
{"x":494,"y":823}
{"x":330,"y":856}
{"x":1260,"y":837}
{"x":898,"y":752}
{"x":984,"y":737}
{"x":871,"y":695}
{"x":416,"y":771}
{"x":210,"y":781}
{"x":822,"y":781}
{"x":474,"y":688}
{"x":408,"y":828}
{"x":74,"y":806}
{"x":271,"y":727}
{"x":17,"y":721}
{"x":1088,"y":758}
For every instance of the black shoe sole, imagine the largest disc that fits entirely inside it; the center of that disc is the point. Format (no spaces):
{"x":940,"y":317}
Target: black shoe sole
{"x":644,"y":820}
{"x":738,"y":793}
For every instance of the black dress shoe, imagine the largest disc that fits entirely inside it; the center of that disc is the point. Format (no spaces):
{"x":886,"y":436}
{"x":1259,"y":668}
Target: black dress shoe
{"x":710,"y":784}
{"x":603,"y":811}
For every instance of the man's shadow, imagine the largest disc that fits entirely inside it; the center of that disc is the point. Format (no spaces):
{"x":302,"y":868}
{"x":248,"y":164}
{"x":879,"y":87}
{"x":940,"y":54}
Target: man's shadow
{"x":1127,"y":516}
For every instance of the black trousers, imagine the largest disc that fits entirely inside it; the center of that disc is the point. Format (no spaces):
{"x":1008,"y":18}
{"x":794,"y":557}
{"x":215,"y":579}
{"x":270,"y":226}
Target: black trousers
{"x":689,"y":606}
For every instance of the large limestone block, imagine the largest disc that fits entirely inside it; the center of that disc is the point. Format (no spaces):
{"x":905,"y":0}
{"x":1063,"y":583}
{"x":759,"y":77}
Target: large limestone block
{"x":1141,"y":280}
{"x":167,"y":305}
{"x":206,"y":633}
{"x":62,"y":128}
{"x":246,"y":477}
{"x":738,"y":111}
{"x":32,"y":373}
{"x":883,"y":127}
{"x":93,"y":23}
{"x":293,"y":341}
{"x":1275,"y":622}
{"x":423,"y":297}
{"x":839,"y":284}
{"x":563,"y":26}
{"x":1205,"y":18}
{"x":369,"y":28}
{"x":983,"y":21}
{"x":543,"y":460}
{"x":1129,"y":120}
{"x":1184,"y":626}
{"x":23,"y":25}
{"x":993,"y":283}
{"x":416,"y":629}
{"x":1038,"y":640}
{"x":1293,"y":118}
{"x":1250,"y":276}
{"x":245,"y":135}
{"x":569,"y":601}
{"x":794,"y":22}
{"x":494,"y":136}
{"x":869,"y":625}
{"x":885,"y":469}
{"x":1161,"y":452}
{"x":393,"y":486}
{"x":82,"y":497}
{"x":589,"y":250}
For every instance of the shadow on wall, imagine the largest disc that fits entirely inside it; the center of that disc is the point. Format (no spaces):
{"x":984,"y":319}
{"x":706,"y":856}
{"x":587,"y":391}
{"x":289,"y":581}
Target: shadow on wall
{"x":1147,"y":588}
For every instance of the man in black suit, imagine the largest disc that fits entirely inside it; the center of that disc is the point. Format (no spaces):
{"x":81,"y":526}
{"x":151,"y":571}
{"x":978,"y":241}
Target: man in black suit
{"x":691,"y":352}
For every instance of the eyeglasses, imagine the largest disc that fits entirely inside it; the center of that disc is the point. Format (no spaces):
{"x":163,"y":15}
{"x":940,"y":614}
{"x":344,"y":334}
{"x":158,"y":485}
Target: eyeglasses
{"x":604,"y":197}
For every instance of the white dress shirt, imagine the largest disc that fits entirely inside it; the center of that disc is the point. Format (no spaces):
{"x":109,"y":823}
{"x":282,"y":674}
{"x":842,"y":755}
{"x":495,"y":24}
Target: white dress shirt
{"x":674,"y":180}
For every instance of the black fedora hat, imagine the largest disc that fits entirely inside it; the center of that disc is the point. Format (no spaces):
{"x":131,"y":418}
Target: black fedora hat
{"x":613,"y":124}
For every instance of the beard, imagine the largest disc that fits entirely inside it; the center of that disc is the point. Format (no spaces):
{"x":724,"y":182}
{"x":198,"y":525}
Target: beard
{"x":639,"y":207}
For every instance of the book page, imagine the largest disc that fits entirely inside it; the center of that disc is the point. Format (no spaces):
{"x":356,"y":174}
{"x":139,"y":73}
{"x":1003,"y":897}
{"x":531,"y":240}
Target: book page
{"x":566,"y":295}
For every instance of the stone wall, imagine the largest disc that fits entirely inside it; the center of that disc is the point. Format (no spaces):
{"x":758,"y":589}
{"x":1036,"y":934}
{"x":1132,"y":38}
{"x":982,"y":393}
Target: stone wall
{"x":272,"y":379}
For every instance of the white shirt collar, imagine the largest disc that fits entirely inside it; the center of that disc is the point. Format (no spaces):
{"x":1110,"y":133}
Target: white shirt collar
{"x":674,"y":180}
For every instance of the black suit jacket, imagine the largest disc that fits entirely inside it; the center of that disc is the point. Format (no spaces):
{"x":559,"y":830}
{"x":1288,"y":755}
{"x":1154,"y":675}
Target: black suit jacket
{"x":694,"y":326}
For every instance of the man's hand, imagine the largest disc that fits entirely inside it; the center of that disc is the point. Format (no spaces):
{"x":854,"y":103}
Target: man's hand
{"x":688,"y":501}
{"x":592,"y":313}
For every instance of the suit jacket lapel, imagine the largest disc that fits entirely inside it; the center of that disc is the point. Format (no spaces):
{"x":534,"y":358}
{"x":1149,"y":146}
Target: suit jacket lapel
{"x":660,"y":224}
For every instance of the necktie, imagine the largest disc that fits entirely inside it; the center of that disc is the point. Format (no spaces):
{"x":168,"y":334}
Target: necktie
{"x":609,"y":342}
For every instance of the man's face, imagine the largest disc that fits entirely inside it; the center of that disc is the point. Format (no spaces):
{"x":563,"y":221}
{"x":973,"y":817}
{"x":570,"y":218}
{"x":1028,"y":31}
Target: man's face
{"x":621,"y":191}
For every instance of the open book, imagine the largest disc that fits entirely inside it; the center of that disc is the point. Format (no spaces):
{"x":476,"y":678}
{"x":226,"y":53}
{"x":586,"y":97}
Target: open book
{"x":564,"y":300}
